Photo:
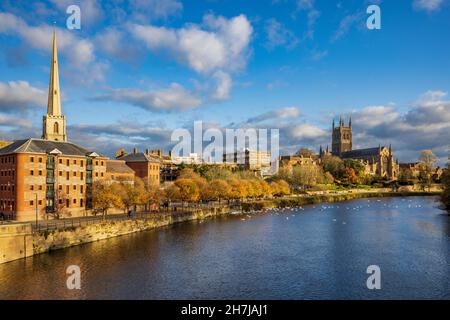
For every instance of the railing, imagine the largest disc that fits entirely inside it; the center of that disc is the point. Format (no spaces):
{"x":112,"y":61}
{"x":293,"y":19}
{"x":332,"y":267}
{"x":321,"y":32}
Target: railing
{"x":61,"y":224}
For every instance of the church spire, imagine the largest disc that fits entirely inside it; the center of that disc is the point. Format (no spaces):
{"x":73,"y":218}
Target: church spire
{"x":54,"y":123}
{"x":54,"y":101}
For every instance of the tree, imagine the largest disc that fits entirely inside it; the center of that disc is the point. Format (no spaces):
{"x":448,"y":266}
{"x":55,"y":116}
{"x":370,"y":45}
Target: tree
{"x":188,"y":190}
{"x":220,"y":189}
{"x":446,"y":185}
{"x":426,"y":167}
{"x":333,"y":165}
{"x":350,"y":175}
{"x":305,"y":176}
{"x":106,"y":196}
{"x":305,"y":152}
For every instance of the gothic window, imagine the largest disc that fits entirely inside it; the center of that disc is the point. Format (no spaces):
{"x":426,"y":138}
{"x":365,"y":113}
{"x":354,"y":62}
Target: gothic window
{"x":56,"y":128}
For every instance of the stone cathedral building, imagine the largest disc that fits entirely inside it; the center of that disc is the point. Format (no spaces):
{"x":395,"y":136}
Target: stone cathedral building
{"x":378,"y":161}
{"x":43,"y":177}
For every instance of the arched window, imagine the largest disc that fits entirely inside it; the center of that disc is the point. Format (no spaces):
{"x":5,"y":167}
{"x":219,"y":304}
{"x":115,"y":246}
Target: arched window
{"x":56,"y":128}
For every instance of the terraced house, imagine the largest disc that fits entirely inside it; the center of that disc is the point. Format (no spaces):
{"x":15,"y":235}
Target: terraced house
{"x":40,"y":178}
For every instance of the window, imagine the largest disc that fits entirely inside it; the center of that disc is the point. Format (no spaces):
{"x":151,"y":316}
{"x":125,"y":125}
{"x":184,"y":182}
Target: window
{"x":60,"y":161}
{"x":40,"y":172}
{"x":31,"y":159}
{"x":60,"y":173}
{"x":40,"y":159}
{"x":96,"y":174}
{"x":31,"y":187}
{"x":67,"y":175}
{"x":74,"y":201}
{"x":74,"y":161}
{"x":96,"y":163}
{"x":101,"y":174}
{"x":67,"y":189}
{"x":74,"y":174}
{"x":74,"y":187}
{"x":101,"y":163}
{"x":40,"y":187}
{"x":67,"y":203}
{"x":60,"y":187}
{"x":31,"y":202}
{"x":81,"y":202}
{"x":60,"y":201}
{"x":31,"y":172}
{"x":81,"y":162}
{"x":40,"y":202}
{"x":67,"y":162}
{"x":56,"y":127}
{"x":81,"y":189}
{"x":81,"y":175}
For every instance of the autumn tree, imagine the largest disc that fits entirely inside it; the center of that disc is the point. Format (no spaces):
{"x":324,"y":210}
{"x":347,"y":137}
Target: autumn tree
{"x":106,"y":196}
{"x":188,"y":190}
{"x":426,"y":167}
{"x":333,"y":165}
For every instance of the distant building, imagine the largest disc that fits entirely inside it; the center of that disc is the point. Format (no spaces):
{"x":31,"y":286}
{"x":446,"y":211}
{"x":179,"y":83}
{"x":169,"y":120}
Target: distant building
{"x":118,"y":171}
{"x":297,"y":161}
{"x":145,"y":165}
{"x":253,"y":160}
{"x":50,"y":175}
{"x":378,"y":161}
{"x":193,"y":158}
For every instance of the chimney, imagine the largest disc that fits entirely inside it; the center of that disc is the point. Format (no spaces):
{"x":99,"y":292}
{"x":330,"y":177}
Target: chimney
{"x":135,"y":150}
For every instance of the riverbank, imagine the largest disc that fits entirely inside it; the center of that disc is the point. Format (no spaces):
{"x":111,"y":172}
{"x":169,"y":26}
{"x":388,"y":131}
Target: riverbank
{"x":12,"y":239}
{"x":296,"y":201}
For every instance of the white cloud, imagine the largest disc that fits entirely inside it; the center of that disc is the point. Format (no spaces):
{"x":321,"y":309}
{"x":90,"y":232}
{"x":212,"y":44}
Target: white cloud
{"x":17,"y":96}
{"x":175,"y":97}
{"x":428,"y":5}
{"x":346,"y":23}
{"x":288,"y":113}
{"x":221,"y":43}
{"x":223,"y":87}
{"x":278,"y":35}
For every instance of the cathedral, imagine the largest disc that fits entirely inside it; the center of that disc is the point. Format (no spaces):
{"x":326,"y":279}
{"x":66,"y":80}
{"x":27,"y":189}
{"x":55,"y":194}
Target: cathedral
{"x":378,"y":161}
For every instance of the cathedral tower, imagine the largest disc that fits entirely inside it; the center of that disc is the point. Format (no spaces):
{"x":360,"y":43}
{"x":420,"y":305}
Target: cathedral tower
{"x":341,"y":138}
{"x":54,"y":123}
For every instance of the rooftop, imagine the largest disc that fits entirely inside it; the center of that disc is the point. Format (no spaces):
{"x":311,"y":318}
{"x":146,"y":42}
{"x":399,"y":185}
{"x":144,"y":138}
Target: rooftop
{"x":45,"y":146}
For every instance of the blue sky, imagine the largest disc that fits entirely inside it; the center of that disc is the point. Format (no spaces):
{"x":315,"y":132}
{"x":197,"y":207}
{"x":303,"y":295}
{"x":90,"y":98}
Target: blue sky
{"x":138,"y":69}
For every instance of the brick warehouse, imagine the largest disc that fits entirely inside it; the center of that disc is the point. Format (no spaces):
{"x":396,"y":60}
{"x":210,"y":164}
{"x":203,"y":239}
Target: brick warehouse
{"x":45,"y":177}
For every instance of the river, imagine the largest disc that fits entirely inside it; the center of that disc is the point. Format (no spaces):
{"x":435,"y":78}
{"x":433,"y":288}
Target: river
{"x":315,"y":252}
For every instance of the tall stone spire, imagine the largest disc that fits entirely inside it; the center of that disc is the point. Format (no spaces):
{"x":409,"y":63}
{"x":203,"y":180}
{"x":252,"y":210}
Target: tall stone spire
{"x":54,"y":101}
{"x":54,"y":123}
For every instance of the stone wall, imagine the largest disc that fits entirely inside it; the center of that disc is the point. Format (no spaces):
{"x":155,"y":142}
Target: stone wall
{"x":16,"y":242}
{"x":52,"y":240}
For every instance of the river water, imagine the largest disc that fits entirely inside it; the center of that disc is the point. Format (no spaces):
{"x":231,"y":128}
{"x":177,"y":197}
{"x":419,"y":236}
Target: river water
{"x":315,"y":252}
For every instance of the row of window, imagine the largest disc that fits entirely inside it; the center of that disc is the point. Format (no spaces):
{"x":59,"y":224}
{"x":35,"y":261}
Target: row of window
{"x":39,"y":159}
{"x":7,"y":160}
{"x":7,"y":204}
{"x":7,"y":173}
{"x":7,"y":188}
{"x":32,"y":173}
{"x":74,"y":188}
{"x":60,"y":201}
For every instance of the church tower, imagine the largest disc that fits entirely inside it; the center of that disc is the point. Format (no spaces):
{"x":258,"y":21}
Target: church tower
{"x":341,"y":139}
{"x":54,"y":123}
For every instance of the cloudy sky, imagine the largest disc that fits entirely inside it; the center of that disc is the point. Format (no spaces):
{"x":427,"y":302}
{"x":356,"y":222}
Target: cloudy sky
{"x":137,"y":69}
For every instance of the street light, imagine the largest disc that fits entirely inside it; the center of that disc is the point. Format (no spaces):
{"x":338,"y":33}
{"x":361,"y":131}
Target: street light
{"x":36,"y":211}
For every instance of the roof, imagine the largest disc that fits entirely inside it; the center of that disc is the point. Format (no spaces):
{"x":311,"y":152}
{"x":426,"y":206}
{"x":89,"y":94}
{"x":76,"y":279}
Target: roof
{"x":45,"y":146}
{"x":359,"y":153}
{"x":139,"y":157}
{"x":117,"y":166}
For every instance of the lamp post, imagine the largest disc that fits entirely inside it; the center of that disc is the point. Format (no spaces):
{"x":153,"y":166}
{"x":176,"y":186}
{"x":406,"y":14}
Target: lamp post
{"x":36,"y":205}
